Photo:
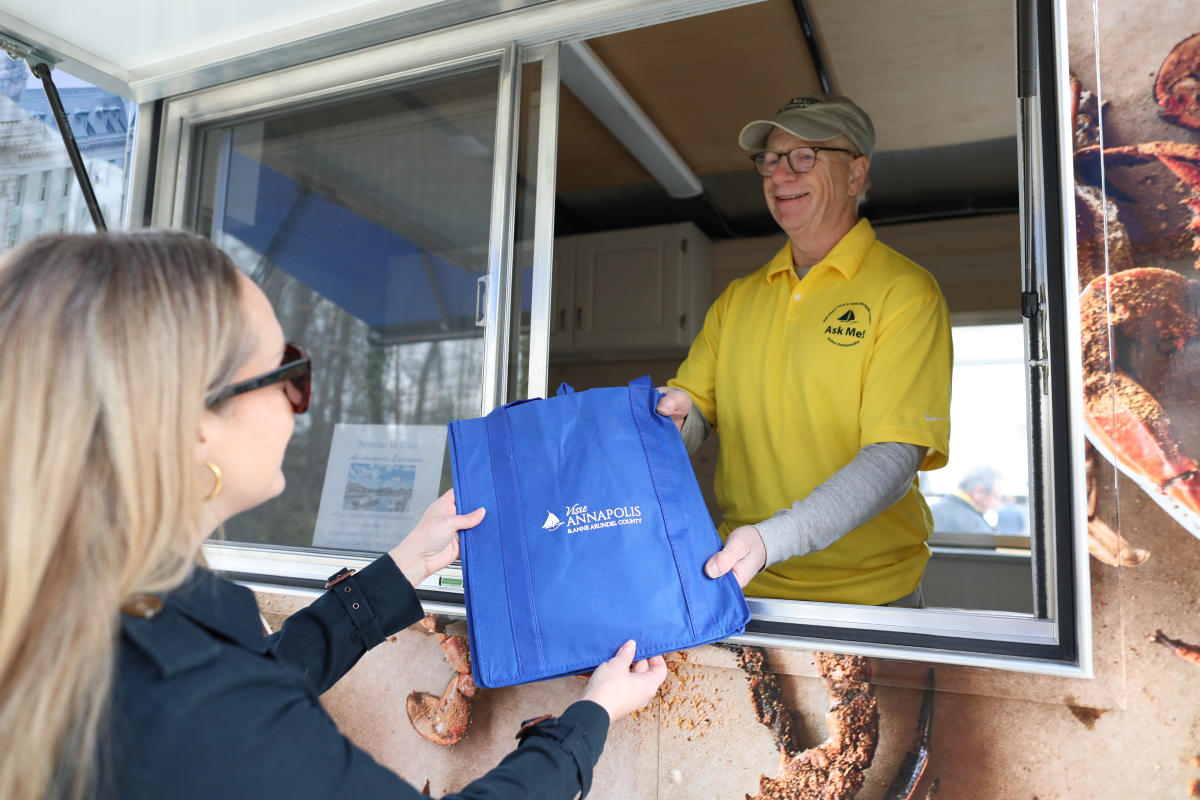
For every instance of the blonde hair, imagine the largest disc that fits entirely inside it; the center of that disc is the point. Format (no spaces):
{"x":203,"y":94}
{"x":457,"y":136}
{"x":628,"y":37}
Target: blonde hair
{"x":108,"y":346}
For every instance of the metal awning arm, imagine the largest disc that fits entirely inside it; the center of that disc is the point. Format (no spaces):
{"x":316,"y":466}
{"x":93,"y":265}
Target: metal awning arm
{"x":42,"y":71}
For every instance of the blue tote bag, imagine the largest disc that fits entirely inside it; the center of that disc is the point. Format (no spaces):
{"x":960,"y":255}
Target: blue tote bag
{"x":596,"y":532}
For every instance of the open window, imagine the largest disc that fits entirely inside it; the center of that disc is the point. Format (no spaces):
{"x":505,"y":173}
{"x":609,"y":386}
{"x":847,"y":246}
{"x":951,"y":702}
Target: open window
{"x":466,"y":215}
{"x":967,"y":180}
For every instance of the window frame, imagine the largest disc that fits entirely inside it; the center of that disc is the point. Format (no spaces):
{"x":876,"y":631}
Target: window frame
{"x":1058,"y":644}
{"x":182,"y":120}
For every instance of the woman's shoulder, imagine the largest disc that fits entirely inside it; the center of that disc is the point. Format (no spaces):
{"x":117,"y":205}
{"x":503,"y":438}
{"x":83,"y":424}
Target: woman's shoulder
{"x":164,"y":636}
{"x":159,"y":648}
{"x":237,"y":725}
{"x":186,"y":698}
{"x":190,"y":647}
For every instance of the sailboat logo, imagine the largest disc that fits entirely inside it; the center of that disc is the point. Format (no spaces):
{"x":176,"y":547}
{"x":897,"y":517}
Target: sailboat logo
{"x":847,"y":324}
{"x":552,"y":522}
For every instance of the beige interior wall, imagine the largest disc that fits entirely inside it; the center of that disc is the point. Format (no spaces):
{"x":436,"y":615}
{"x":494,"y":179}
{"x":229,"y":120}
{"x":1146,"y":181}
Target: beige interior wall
{"x":976,"y":261}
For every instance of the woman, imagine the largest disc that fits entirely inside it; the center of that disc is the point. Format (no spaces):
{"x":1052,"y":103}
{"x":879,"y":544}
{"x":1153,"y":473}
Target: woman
{"x":142,"y":403}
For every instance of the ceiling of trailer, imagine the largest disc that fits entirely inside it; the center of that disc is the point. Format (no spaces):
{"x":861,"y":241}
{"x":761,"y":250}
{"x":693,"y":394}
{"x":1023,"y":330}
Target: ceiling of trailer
{"x":937,"y":76}
{"x":142,"y":40}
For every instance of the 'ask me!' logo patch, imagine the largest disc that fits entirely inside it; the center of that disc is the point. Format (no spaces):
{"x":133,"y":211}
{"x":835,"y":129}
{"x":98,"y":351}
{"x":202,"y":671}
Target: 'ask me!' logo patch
{"x":846,"y":325}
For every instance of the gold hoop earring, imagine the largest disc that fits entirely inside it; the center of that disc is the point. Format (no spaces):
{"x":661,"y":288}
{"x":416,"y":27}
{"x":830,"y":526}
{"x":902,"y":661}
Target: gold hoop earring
{"x":216,"y":471}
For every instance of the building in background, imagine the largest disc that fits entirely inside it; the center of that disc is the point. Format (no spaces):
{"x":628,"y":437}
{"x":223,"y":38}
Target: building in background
{"x":38,"y":189}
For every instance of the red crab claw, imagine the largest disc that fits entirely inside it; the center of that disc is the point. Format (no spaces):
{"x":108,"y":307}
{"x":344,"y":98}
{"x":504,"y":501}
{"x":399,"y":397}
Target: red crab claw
{"x":443,"y":720}
{"x":1138,"y":444}
{"x":1152,"y":315}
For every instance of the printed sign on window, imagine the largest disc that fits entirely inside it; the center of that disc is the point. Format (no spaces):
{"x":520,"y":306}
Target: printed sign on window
{"x":378,"y":482}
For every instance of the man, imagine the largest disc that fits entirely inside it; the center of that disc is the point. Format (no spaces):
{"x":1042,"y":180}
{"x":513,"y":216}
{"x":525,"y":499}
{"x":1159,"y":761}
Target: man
{"x":827,"y":374}
{"x":963,"y":511}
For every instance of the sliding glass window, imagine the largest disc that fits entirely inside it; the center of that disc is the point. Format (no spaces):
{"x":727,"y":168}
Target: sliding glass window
{"x":366,"y":219}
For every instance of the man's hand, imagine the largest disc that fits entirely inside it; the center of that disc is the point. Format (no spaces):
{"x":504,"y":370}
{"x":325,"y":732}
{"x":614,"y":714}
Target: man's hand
{"x":743,"y":552}
{"x":674,"y":403}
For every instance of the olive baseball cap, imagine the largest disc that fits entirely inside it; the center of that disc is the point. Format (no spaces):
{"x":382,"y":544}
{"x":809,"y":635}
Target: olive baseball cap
{"x":817,"y":118}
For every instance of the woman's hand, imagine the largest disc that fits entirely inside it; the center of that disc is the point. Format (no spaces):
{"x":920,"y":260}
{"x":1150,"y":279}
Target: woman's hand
{"x":620,"y":686}
{"x":433,"y":543}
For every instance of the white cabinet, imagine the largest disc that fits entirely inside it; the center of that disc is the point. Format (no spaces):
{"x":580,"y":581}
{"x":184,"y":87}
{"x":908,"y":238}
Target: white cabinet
{"x":636,"y":292}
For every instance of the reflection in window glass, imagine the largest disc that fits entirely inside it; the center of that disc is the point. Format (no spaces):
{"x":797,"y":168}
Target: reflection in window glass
{"x":985,"y":486}
{"x":38,"y":190}
{"x":366,"y":222}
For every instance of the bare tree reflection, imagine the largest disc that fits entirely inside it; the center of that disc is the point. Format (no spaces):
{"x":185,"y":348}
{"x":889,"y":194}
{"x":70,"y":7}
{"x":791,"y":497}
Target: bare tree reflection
{"x":417,"y":381}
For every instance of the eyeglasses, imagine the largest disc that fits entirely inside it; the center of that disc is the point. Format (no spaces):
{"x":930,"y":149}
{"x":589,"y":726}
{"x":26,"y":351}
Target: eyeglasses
{"x":800,"y":159}
{"x":295,"y":371}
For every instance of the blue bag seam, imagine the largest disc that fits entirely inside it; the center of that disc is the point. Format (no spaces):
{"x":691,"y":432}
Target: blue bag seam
{"x":467,"y":546}
{"x":655,"y":481}
{"x":512,"y":622}
{"x":727,"y":582}
{"x":523,"y":551}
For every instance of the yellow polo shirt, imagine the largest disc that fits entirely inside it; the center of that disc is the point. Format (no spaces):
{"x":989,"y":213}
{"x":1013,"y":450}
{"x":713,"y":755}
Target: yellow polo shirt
{"x":797,"y":376}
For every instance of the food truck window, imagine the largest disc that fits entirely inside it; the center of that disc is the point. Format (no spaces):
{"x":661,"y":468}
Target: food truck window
{"x":407,"y":226}
{"x":366,"y":219}
{"x":966,"y":180}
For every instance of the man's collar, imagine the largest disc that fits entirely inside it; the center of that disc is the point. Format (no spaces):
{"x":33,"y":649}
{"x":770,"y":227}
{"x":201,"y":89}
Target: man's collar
{"x":846,"y":256}
{"x":966,"y":498}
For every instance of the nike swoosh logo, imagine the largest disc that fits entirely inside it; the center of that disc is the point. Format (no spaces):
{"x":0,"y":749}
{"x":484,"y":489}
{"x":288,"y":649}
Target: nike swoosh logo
{"x":934,"y":419}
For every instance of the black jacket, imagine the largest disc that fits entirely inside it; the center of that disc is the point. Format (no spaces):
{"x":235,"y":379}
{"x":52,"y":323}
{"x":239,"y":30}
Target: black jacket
{"x":206,"y":706}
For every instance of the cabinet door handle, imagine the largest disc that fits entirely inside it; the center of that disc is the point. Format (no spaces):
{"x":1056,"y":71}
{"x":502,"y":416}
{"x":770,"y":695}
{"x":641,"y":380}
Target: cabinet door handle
{"x":578,"y":316}
{"x":562,"y":319}
{"x":481,"y":284}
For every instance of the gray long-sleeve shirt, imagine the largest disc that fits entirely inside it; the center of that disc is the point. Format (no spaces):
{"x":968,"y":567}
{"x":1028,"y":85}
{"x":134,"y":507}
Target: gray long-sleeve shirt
{"x":877,"y":476}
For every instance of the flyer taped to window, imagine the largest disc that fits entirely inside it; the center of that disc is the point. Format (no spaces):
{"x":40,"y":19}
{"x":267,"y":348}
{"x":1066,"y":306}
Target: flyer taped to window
{"x":378,"y":482}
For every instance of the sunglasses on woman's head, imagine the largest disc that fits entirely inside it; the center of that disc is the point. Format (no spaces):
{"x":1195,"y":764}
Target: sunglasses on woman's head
{"x":295,"y":373}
